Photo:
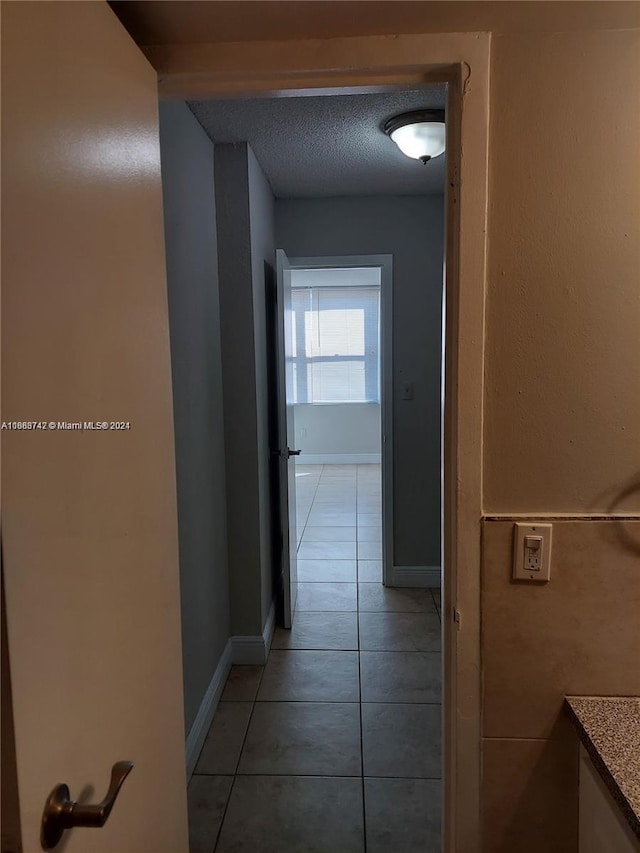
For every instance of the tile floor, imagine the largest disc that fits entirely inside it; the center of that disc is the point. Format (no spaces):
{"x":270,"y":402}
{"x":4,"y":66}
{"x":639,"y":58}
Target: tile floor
{"x":334,"y":745}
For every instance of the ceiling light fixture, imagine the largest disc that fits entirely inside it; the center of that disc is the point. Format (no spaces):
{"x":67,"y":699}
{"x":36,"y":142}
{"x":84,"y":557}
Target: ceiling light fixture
{"x":419,"y":134}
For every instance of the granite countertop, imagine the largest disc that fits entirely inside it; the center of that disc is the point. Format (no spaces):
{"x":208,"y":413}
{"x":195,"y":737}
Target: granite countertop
{"x":609,"y":728}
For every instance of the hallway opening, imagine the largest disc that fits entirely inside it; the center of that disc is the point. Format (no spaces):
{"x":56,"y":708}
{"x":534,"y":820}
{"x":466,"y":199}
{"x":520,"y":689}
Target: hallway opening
{"x":336,"y":741}
{"x":355,"y":548}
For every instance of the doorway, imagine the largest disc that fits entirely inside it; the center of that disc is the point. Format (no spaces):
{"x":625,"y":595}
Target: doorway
{"x":384,"y":64}
{"x":352,"y":642}
{"x":343,"y":409}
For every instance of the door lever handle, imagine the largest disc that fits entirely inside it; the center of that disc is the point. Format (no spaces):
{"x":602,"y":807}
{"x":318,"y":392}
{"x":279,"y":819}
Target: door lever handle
{"x":61,"y":812}
{"x":291,"y":453}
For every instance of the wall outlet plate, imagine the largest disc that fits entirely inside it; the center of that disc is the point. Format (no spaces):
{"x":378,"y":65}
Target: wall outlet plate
{"x":532,"y":552}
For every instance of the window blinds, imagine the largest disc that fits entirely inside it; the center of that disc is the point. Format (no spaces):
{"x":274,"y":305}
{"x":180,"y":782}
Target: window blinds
{"x":336,"y":344}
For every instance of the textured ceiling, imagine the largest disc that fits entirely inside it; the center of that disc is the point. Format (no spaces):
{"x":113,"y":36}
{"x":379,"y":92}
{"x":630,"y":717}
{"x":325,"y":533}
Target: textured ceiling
{"x":328,"y":145}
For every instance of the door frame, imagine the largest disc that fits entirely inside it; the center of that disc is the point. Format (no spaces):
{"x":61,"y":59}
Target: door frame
{"x":382,"y":63}
{"x":385,"y":264}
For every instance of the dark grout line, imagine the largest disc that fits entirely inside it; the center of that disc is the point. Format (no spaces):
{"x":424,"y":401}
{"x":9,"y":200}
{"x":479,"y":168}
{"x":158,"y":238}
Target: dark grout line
{"x":226,"y":806}
{"x":308,"y":514}
{"x":339,"y":702}
{"x":320,"y":776}
{"x":241,"y":750}
{"x":354,"y":649}
{"x":364,"y":806}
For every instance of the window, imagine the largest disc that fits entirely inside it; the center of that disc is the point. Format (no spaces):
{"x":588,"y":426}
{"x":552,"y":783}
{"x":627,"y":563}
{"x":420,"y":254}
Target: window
{"x":336,"y":344}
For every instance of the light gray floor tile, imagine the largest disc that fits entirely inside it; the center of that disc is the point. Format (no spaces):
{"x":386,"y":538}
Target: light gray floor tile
{"x":318,"y":518}
{"x":370,"y":534}
{"x":303,"y":739}
{"x":242,"y":684}
{"x":329,"y":508}
{"x":343,"y":500}
{"x":293,"y":815}
{"x":369,"y":507}
{"x":374,"y":596}
{"x":207,"y":799}
{"x":319,"y":631}
{"x":402,"y":814}
{"x":370,"y":550}
{"x":329,"y":534}
{"x":401,"y":740}
{"x":399,"y":632}
{"x":370,"y":571}
{"x":303,"y":505}
{"x":222,"y":747}
{"x":369,"y":519}
{"x":327,"y":551}
{"x":327,"y":596}
{"x":399,"y":677}
{"x":326,"y":571}
{"x":308,"y":468}
{"x":310,"y":676}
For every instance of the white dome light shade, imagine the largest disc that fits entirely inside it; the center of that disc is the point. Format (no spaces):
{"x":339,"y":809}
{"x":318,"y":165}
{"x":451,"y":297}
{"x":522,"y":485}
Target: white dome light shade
{"x":420,"y":135}
{"x":425,"y":139}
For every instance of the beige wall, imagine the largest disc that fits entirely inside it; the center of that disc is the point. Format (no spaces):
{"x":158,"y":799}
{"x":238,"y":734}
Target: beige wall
{"x":154,"y":22}
{"x":562,"y":412}
{"x":562,"y":409}
{"x":579,"y":634}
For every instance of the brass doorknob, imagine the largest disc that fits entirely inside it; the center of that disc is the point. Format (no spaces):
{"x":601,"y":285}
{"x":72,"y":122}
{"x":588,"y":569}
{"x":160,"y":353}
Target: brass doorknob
{"x":61,"y":812}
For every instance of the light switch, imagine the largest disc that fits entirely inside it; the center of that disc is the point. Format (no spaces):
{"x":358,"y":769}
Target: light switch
{"x":532,"y":552}
{"x":407,"y":390}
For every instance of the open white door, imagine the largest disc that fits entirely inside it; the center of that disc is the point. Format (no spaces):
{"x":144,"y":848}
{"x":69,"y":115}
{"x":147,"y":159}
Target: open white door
{"x":89,"y":527}
{"x":287,"y":437}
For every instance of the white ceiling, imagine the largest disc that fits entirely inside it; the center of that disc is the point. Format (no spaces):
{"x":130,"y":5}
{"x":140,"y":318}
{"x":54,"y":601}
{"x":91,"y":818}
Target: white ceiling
{"x":328,"y":145}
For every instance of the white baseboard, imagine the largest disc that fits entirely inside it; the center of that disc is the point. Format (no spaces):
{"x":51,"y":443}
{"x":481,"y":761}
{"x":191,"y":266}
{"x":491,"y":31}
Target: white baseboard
{"x":416,"y":576}
{"x":202,"y":722}
{"x":338,"y":458}
{"x":239,"y":650}
{"x":255,"y":649}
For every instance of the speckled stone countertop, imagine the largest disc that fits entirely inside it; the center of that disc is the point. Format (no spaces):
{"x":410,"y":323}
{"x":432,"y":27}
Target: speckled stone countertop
{"x":609,"y":728}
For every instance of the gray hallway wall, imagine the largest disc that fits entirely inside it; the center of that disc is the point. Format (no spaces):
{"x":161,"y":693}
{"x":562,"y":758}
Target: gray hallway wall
{"x":246,"y":242}
{"x":194,"y":321}
{"x":411,"y":228}
{"x":262,"y":231}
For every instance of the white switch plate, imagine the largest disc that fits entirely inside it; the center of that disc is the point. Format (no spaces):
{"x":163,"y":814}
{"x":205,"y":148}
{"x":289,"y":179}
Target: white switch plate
{"x":525,"y":559}
{"x":407,"y":390}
